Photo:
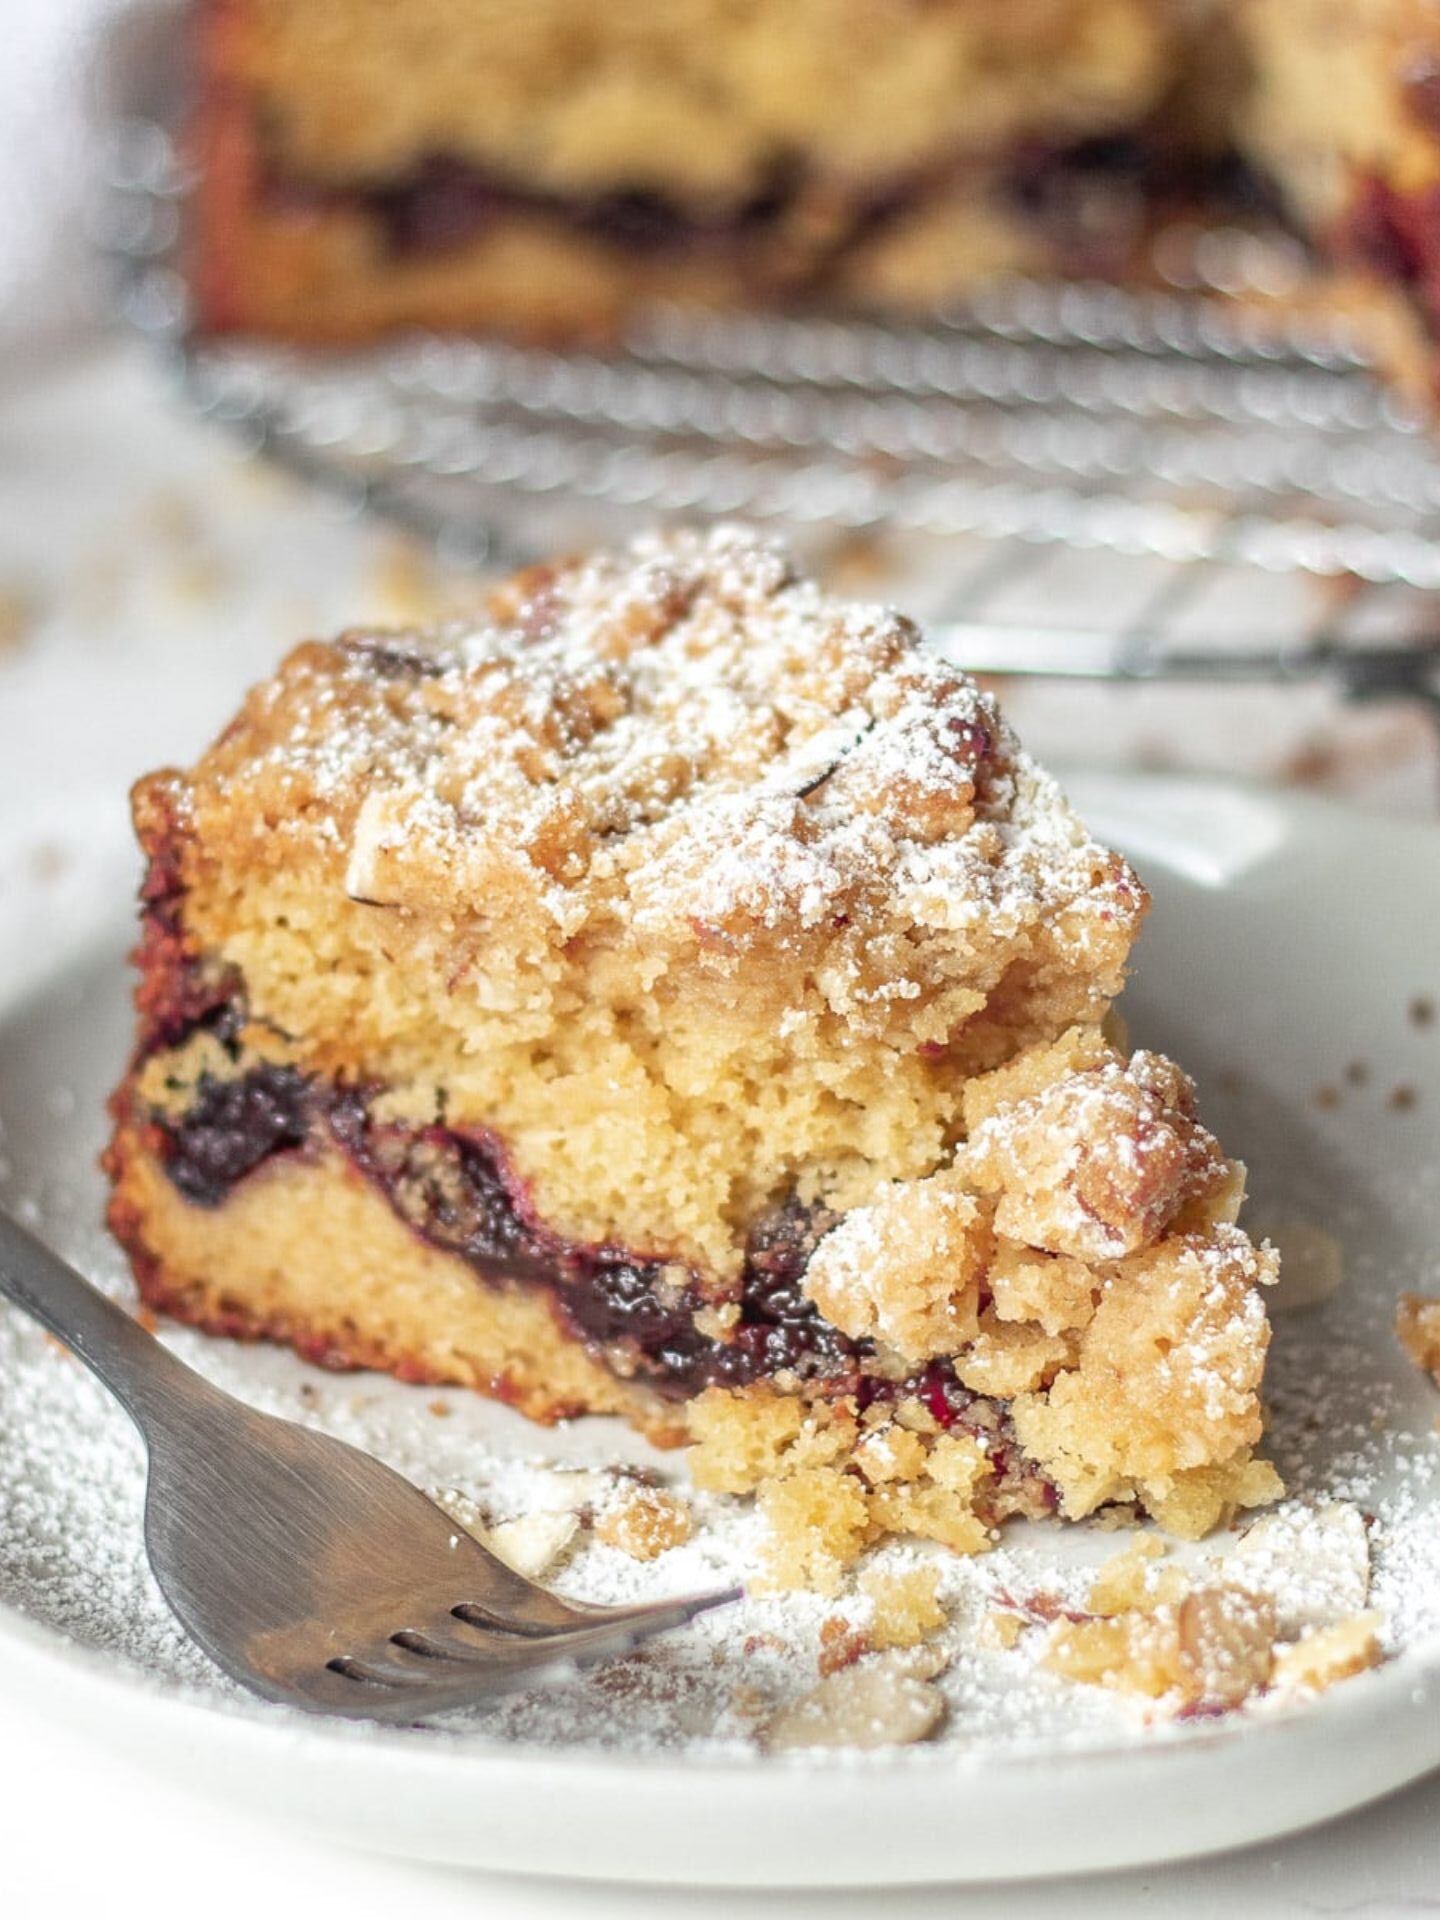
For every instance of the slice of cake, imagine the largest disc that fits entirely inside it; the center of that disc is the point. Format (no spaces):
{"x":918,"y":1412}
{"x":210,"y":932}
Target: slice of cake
{"x":544,"y":169}
{"x":676,"y":994}
{"x":1342,"y":115}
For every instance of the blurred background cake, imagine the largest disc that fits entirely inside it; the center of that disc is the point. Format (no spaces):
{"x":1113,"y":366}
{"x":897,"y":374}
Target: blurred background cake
{"x":545,"y":170}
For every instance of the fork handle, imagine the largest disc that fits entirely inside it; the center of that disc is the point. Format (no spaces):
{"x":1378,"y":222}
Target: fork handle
{"x":144,"y":1376}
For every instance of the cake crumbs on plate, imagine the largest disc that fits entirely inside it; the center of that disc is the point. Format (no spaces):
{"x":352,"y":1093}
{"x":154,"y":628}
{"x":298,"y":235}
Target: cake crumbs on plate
{"x":1417,"y":1326}
{"x":644,"y":1522}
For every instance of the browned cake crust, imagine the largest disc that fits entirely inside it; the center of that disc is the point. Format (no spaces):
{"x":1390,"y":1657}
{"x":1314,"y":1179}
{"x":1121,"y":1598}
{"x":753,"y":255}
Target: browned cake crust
{"x":680,"y":997}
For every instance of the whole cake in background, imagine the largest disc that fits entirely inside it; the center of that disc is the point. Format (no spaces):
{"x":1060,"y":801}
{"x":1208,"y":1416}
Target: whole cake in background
{"x":544,"y":169}
{"x":676,"y":994}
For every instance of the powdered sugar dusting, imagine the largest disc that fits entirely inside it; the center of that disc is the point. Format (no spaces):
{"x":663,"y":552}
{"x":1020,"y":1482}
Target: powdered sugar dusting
{"x":685,"y":723}
{"x":1351,"y":1431}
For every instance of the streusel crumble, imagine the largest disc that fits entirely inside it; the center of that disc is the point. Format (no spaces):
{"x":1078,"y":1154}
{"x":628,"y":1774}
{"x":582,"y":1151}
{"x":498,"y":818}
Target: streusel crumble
{"x":677,"y":994}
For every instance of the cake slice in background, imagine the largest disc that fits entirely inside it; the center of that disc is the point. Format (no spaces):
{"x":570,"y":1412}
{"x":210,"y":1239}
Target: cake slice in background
{"x":547,"y":171}
{"x":677,"y":994}
{"x":1341,"y":114}
{"x":543,"y":169}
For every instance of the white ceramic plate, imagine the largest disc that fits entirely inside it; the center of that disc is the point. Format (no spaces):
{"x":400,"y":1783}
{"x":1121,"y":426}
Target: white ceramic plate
{"x":1290,"y":945}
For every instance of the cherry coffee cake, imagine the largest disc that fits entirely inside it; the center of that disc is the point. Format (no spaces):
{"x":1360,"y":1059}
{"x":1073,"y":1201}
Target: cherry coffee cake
{"x":546,"y":170}
{"x":676,"y":994}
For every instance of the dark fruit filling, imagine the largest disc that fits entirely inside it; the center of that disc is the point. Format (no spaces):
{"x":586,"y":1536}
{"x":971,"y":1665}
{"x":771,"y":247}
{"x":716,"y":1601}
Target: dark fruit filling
{"x":1397,"y":237}
{"x":1090,"y":196}
{"x":232,"y":1125}
{"x":455,"y":1188}
{"x":444,"y":202}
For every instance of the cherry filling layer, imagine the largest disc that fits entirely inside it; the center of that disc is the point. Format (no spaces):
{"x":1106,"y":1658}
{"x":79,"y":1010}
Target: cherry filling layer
{"x":1088,"y":194}
{"x":644,"y":1318}
{"x":1396,"y":236}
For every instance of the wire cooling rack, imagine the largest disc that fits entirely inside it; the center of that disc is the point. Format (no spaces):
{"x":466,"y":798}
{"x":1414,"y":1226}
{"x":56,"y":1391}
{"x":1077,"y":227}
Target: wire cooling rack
{"x":1087,"y":482}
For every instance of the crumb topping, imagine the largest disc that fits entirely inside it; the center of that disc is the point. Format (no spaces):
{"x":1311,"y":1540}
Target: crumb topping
{"x":696,"y":885}
{"x":687,"y":725}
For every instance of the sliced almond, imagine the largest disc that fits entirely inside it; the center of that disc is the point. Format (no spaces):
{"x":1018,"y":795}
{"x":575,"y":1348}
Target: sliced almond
{"x":534,"y":1542}
{"x":880,"y":1702}
{"x":1226,"y":1640}
{"x":1312,"y":1563}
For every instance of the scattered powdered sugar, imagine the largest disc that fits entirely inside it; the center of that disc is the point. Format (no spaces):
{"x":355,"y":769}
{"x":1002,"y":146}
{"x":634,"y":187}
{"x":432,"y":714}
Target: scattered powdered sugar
{"x":1352,"y":1433}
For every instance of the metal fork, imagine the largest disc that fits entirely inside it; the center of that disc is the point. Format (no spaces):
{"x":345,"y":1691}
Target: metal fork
{"x":307,"y":1570}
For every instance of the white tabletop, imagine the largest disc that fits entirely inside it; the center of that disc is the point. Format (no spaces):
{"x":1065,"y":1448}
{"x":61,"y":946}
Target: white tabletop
{"x":147,"y":573}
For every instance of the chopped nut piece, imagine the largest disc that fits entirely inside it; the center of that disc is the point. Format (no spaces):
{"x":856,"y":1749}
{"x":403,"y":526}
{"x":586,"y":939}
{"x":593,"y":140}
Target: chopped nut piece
{"x":645,"y":1523}
{"x":1101,"y":1162}
{"x":534,"y":1542}
{"x":1226,"y":1640}
{"x":880,"y":1702}
{"x":464,"y":1511}
{"x":1314,"y":1563}
{"x":841,"y":1644}
{"x":1330,"y":1654}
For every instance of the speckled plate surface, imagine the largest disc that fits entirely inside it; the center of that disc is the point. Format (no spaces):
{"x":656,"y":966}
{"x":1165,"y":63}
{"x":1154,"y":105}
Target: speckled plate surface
{"x":1293,"y":964}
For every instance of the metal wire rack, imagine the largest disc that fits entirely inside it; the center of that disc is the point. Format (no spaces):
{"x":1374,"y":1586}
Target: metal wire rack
{"x":1092,"y":482}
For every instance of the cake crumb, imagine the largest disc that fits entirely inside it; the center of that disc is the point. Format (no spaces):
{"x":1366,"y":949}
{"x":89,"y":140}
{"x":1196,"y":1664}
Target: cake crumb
{"x":1132,"y":1580}
{"x":1417,"y":1326}
{"x":905,"y":1607}
{"x":1329,"y":1654}
{"x":1422,"y":1011}
{"x":1002,"y":1629}
{"x":440,"y":1409}
{"x":1215,"y":1648}
{"x":842,"y":1643}
{"x":1402,"y":1098}
{"x":645,"y":1522}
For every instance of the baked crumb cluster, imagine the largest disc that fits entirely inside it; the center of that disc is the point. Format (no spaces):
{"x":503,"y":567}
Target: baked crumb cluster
{"x":1417,"y":1327}
{"x":676,"y":993}
{"x":1077,"y":1262}
{"x":1205,"y":1645}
